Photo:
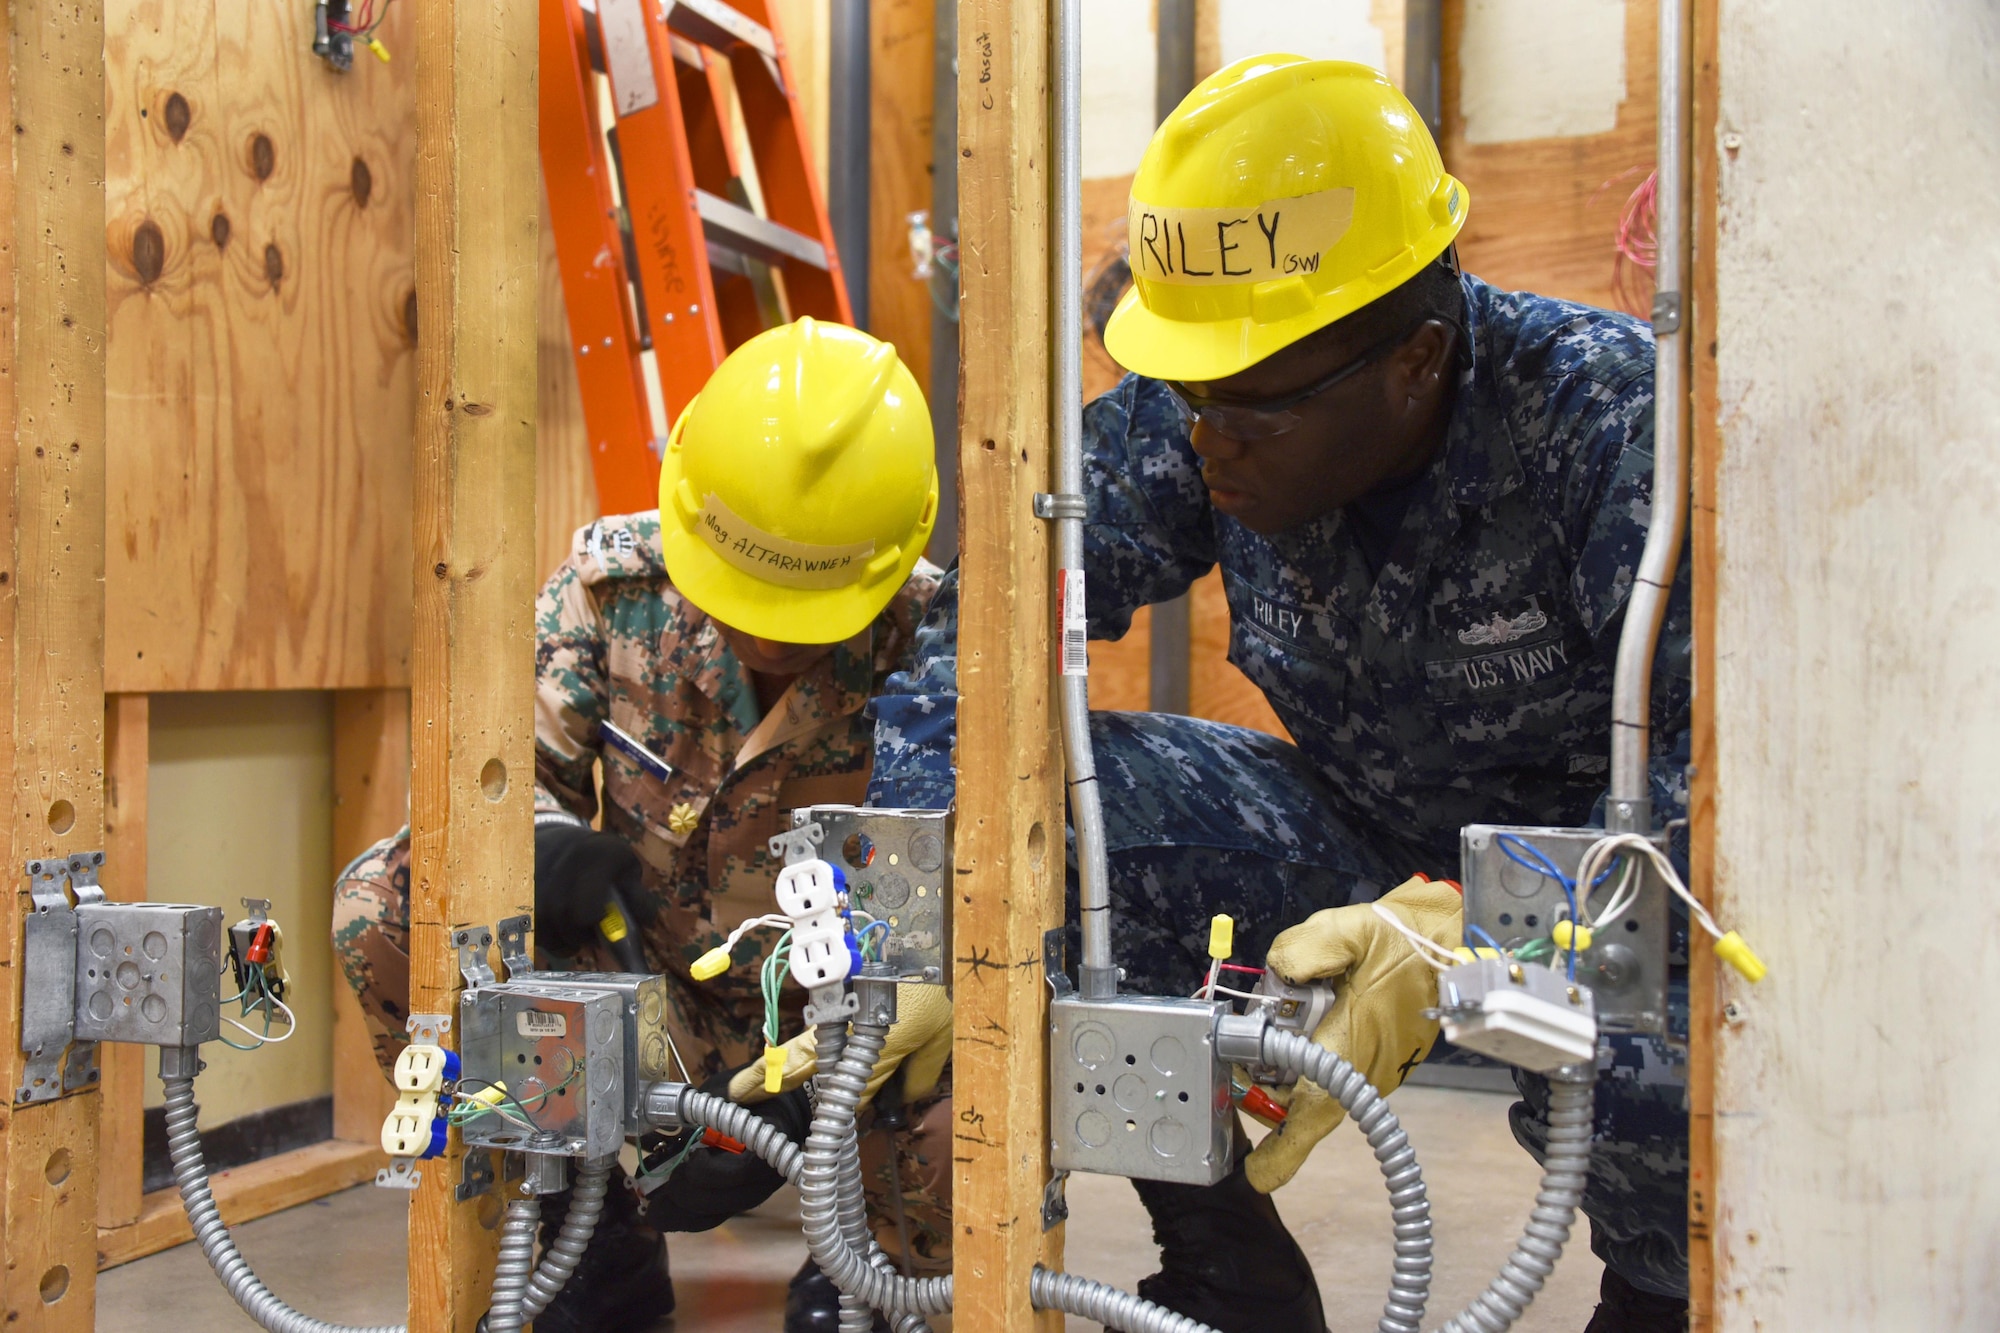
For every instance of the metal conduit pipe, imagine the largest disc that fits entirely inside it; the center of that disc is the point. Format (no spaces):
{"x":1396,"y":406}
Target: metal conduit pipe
{"x":210,"y":1232}
{"x":1097,"y":977}
{"x":516,"y":1267}
{"x":1630,"y":808}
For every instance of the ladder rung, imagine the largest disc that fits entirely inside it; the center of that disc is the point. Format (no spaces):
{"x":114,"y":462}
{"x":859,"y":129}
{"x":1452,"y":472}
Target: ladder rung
{"x":685,"y":51}
{"x":718,"y":25}
{"x":724,"y":260}
{"x":739,"y":229}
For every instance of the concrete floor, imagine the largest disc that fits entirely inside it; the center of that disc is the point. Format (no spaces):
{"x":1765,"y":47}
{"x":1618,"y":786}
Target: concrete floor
{"x":342,"y":1258}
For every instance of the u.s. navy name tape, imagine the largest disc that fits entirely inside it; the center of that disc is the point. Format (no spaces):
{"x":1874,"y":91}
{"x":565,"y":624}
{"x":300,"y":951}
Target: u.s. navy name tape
{"x":1279,"y":238}
{"x":765,"y":555}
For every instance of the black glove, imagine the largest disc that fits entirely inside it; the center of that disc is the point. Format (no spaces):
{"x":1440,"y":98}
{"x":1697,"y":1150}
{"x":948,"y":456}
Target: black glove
{"x":577,"y":872}
{"x":714,"y":1184}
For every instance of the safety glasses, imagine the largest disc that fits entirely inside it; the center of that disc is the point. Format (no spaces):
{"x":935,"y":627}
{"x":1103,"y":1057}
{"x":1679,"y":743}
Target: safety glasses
{"x":1270,"y":417}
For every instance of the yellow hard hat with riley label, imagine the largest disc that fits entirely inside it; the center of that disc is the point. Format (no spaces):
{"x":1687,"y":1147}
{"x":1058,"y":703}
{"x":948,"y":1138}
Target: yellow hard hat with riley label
{"x":1281,"y":195}
{"x":800,"y":486}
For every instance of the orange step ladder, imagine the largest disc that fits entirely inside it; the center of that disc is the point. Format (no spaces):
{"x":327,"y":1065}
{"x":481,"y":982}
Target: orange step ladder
{"x":673,"y":235}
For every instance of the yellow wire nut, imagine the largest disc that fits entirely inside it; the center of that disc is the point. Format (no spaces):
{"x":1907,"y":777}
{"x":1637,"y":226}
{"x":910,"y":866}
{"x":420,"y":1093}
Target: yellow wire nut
{"x":1221,"y":937}
{"x":1565,"y":931}
{"x":489,"y":1096}
{"x":710,"y":965}
{"x":774,"y":1069}
{"x":1732,"y":950}
{"x":381,"y":51}
{"x":612,"y":923}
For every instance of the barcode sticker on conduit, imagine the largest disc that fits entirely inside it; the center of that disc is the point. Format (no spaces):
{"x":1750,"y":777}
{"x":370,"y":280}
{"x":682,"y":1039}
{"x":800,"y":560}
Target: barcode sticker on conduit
{"x":1069,"y":599}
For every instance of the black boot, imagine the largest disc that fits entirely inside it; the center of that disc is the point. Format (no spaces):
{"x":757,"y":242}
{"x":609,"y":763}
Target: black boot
{"x":1226,"y":1258}
{"x":812,"y":1303}
{"x":621,"y":1285}
{"x":1623,"y":1308}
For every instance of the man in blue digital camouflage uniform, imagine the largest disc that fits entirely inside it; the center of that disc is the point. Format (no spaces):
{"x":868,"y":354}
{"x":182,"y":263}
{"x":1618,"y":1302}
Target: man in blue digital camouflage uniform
{"x":1427,"y":497}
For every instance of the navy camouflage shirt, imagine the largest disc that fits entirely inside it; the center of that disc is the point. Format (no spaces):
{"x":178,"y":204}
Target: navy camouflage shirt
{"x":1470,"y":679}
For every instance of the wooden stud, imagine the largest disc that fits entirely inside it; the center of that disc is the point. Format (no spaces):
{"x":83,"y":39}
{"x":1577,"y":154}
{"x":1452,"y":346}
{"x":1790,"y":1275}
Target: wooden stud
{"x":472,"y":687}
{"x":1010,"y":823}
{"x":51,"y":605}
{"x":243,"y":1194}
{"x":1705,"y":464}
{"x":371,"y":799}
{"x":121,"y":1118}
{"x":901,"y":75}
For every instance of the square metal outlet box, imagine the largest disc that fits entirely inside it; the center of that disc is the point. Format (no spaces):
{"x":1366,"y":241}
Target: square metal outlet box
{"x":647,"y":1052}
{"x":149,"y":972}
{"x":1625,"y":966}
{"x":899,"y":870}
{"x":1136,"y":1089}
{"x":560,"y":1051}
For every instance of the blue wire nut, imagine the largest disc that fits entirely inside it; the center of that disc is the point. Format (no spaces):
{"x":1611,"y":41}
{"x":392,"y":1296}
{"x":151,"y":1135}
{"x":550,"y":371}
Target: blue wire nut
{"x":451,"y":1066}
{"x":440,"y":1128}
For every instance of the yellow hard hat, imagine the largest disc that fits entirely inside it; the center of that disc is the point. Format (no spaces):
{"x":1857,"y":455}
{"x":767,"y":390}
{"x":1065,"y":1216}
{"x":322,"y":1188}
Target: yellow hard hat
{"x":799,"y":486}
{"x":1280,"y":196}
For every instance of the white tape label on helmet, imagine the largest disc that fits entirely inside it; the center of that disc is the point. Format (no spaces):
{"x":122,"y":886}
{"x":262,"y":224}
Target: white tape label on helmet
{"x":774,"y":559}
{"x":1201,"y":247}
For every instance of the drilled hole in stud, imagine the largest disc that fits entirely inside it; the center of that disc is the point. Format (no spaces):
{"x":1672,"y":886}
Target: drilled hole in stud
{"x":493,"y":779}
{"x":54,"y":1283}
{"x":62,"y":818}
{"x":56,"y":1169}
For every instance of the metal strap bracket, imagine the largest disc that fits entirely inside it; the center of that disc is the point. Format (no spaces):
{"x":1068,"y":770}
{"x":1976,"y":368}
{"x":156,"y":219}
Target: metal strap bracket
{"x":514,"y":944}
{"x":1059,"y":505}
{"x":472,"y":943}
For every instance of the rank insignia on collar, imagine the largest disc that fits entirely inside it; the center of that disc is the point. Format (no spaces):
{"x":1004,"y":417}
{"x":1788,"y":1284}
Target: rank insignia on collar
{"x":682,"y":819}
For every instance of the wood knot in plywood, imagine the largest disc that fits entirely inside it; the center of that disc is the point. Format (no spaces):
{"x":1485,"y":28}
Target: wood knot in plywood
{"x":177,"y":114}
{"x":274,"y":263}
{"x":361,"y":181}
{"x":479,"y":409}
{"x":263,"y":157}
{"x":410,"y":316}
{"x":149,"y":252}
{"x":218,"y":230}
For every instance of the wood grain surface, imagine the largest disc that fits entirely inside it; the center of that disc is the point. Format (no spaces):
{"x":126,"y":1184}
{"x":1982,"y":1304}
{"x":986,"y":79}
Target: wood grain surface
{"x":121,"y":1119}
{"x":1544,"y":214}
{"x":900,"y":79}
{"x":472,"y":689}
{"x":565,"y":487}
{"x":262,"y":326}
{"x":371,"y":800}
{"x":51,"y":605}
{"x":1010,"y":830}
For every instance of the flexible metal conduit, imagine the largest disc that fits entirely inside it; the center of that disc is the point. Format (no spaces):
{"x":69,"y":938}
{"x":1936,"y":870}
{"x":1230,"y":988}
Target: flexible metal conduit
{"x":586,"y":1206}
{"x":1565,"y":1169}
{"x":516,"y":1267}
{"x":1629,"y":809}
{"x":210,"y":1232}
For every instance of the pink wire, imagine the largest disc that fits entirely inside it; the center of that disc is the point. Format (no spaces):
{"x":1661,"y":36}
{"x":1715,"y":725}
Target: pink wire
{"x":1637,"y":245}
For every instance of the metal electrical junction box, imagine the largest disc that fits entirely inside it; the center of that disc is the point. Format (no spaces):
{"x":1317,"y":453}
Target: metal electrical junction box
{"x":646,"y":1050}
{"x":1136,"y":1089}
{"x":149,"y":973}
{"x":899,"y":871}
{"x":1625,"y":966}
{"x":560,"y":1052}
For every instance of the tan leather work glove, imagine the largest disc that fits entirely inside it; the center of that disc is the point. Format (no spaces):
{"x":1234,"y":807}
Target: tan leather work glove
{"x":1381,"y":988}
{"x":919,"y":1043}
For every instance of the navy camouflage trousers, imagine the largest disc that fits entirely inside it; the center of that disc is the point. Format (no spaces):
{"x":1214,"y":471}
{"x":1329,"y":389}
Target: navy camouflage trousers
{"x":1203,"y":818}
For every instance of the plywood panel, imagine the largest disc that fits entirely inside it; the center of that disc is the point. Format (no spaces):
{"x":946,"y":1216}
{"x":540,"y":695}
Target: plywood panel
{"x":262,"y":321}
{"x":1545,"y":211}
{"x":1857,"y":702}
